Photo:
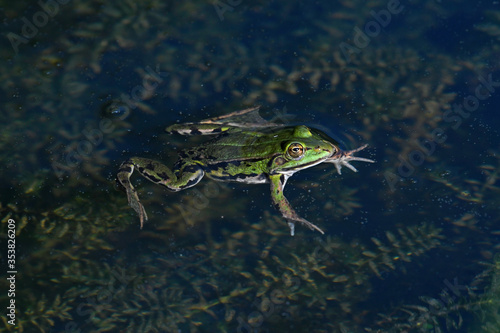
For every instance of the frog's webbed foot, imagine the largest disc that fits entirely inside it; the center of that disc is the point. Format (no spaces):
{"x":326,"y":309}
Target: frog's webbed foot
{"x":343,"y":157}
{"x":123,"y":176}
{"x":311,"y":226}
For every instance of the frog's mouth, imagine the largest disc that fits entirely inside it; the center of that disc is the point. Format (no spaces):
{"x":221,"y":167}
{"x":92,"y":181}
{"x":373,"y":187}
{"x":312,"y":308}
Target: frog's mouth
{"x":343,"y":157}
{"x":303,"y":166}
{"x":312,"y":163}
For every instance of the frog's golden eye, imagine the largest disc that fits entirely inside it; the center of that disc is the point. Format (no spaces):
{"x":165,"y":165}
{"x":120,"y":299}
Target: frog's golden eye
{"x":295,"y":150}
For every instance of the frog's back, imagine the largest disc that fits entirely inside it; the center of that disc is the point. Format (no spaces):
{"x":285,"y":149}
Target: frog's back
{"x":234,"y":146}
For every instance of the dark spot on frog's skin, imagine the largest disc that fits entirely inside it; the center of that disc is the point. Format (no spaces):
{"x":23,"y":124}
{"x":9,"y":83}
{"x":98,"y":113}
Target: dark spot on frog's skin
{"x":163,"y":176}
{"x":177,"y":167}
{"x":141,"y":169}
{"x":248,"y":175}
{"x":195,"y":131}
{"x":192,"y":182}
{"x":282,"y":179}
{"x":189,"y":183}
{"x":225,"y":165}
{"x":249,"y":166}
{"x":191,"y":168}
{"x":219,"y":174}
{"x":150,"y":166}
{"x":152,"y":178}
{"x":217,"y":130}
{"x":126,"y":169}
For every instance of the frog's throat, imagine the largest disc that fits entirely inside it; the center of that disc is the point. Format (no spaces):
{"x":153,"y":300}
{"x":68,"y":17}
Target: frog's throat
{"x":342,"y":158}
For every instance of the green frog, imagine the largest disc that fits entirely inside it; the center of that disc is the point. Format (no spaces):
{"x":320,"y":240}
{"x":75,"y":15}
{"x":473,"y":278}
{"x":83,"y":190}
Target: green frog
{"x":246,"y":148}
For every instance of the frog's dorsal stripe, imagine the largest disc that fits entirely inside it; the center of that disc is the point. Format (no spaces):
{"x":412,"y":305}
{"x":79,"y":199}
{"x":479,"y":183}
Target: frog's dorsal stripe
{"x":247,"y":119}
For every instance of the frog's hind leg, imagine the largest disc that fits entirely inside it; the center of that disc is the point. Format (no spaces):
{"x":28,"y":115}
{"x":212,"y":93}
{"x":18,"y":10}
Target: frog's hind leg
{"x":281,"y":203}
{"x":157,"y":173}
{"x":123,"y":179}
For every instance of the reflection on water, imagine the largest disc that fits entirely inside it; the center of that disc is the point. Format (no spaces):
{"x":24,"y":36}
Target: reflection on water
{"x":411,"y":241}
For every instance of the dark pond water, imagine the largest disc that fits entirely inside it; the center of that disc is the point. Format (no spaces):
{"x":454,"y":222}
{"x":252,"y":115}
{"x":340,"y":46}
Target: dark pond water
{"x":411,"y":241}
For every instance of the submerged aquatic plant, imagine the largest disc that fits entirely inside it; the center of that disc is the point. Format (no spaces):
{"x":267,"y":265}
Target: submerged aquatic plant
{"x":83,"y":264}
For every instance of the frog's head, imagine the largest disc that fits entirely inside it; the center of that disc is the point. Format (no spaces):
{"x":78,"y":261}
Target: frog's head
{"x":303,"y":149}
{"x":308,"y":147}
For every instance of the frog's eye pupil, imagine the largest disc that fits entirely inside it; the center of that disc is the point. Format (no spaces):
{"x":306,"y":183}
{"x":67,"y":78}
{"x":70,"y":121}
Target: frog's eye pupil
{"x":296,"y":150}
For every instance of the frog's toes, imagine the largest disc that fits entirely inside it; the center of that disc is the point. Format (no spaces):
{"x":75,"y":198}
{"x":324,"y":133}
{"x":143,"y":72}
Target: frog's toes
{"x":311,"y":226}
{"x":291,"y":224}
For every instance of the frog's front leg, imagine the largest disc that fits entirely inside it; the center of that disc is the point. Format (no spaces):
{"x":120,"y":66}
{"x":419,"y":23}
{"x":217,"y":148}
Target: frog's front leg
{"x":188,"y":175}
{"x":281,"y":203}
